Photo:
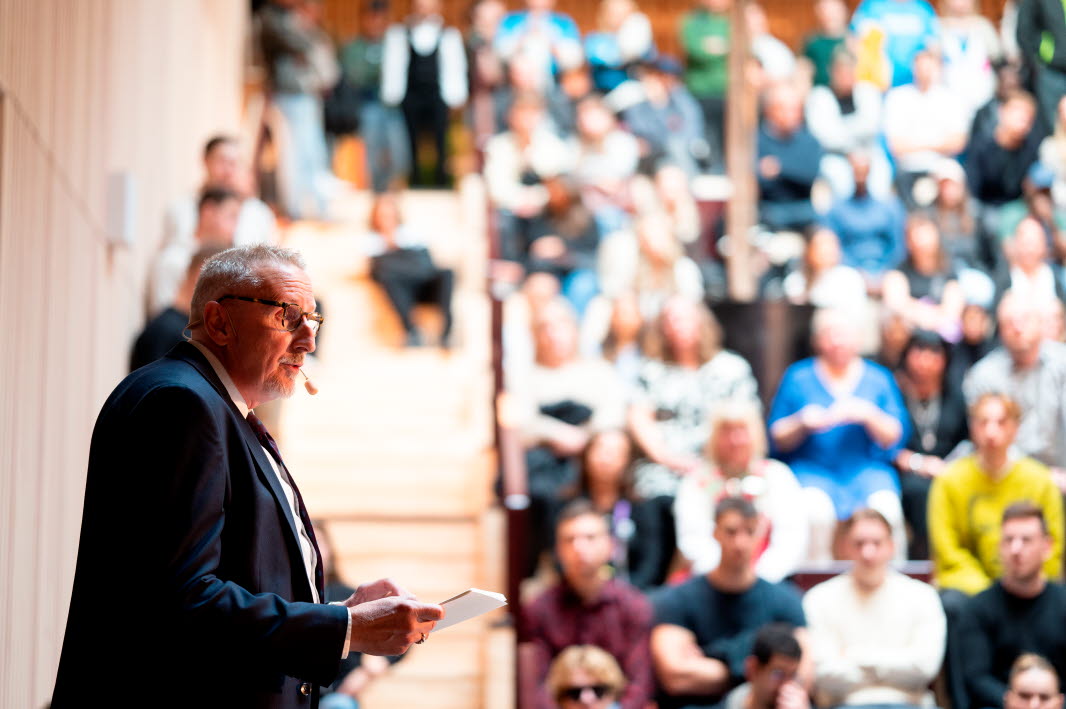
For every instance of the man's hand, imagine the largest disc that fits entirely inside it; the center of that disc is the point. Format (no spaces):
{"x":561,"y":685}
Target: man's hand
{"x":390,"y":625}
{"x":382,"y":588}
{"x":792,"y":696}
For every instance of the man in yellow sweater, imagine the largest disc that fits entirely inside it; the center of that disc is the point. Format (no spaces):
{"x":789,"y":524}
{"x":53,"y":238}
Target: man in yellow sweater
{"x":967,"y":500}
{"x":966,"y":504}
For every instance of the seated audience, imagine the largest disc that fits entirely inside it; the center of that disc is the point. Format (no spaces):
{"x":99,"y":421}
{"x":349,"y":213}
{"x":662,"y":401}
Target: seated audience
{"x":870,"y":228}
{"x":971,"y":49}
{"x":839,"y":421}
{"x":998,"y":162}
{"x":639,"y":551}
{"x":686,"y":375}
{"x":516,"y":164}
{"x":585,"y":677}
{"x":223,"y":168}
{"x":924,"y":288}
{"x":606,"y":158}
{"x":1033,"y":370}
{"x":788,"y":159}
{"x":401,"y":264}
{"x":967,"y":500}
{"x":923,"y":124}
{"x":1020,"y":612}
{"x":737,"y":467}
{"x":705,"y":626}
{"x":667,"y":120}
{"x":845,"y":117}
{"x":586,"y":607}
{"x":890,"y":34}
{"x":831,"y":30}
{"x":623,"y":36}
{"x":167,"y":328}
{"x":1033,"y":682}
{"x":823,"y":280}
{"x":216,"y":225}
{"x":705,"y":43}
{"x":359,"y":670}
{"x":877,"y":636}
{"x":938,"y":424}
{"x":771,"y":672}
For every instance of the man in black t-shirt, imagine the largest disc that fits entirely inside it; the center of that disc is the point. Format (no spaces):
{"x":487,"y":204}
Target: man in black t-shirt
{"x":1021,"y":612}
{"x":705,"y":626}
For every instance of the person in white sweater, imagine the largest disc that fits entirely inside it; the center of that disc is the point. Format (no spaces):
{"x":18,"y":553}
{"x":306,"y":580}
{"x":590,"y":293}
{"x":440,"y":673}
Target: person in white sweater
{"x":737,"y":466}
{"x":877,"y":636}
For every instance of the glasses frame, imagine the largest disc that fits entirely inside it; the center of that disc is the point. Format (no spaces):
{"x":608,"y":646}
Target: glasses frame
{"x":309,"y":315}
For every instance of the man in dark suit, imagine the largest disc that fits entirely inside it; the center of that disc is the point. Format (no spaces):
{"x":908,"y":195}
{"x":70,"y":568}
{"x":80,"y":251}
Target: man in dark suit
{"x":198,"y":580}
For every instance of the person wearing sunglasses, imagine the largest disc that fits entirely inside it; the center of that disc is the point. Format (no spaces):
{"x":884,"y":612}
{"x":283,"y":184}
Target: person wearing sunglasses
{"x":585,"y":677}
{"x":187,"y":494}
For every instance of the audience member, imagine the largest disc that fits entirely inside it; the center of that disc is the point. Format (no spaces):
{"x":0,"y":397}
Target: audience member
{"x":223,"y":168}
{"x":971,"y":48}
{"x":1021,"y":612}
{"x":612,"y":327}
{"x":1008,"y":82}
{"x":585,"y":677}
{"x":551,"y":38}
{"x":358,"y":670}
{"x":639,"y":552}
{"x":516,"y":164}
{"x":586,"y":607}
{"x":1042,"y":40}
{"x":821,"y":46}
{"x":973,"y":253}
{"x":975,"y":343}
{"x":287,"y":35}
{"x":705,"y":36}
{"x":219,"y":213}
{"x":822,"y":280}
{"x":523,"y":78}
{"x":667,"y":120}
{"x":1030,"y":275}
{"x":923,"y":121}
{"x":924,"y":288}
{"x":737,"y":467}
{"x":686,"y":375}
{"x":845,"y":117}
{"x":486,"y":68}
{"x":788,"y":160}
{"x":402,"y":265}
{"x":167,"y":328}
{"x":705,"y":626}
{"x":607,"y":157}
{"x":1033,"y":371}
{"x":776,"y":60}
{"x":839,"y":421}
{"x":870,"y":228}
{"x":1033,"y":682}
{"x":877,"y":636}
{"x":382,"y":127}
{"x":967,"y":500}
{"x":771,"y":672}
{"x":890,"y":34}
{"x":622,"y":37}
{"x":423,"y":71}
{"x":938,"y":424}
{"x":1053,"y":155}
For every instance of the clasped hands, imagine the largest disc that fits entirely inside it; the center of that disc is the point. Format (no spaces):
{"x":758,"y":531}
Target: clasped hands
{"x":817,"y":418}
{"x":387,"y":619}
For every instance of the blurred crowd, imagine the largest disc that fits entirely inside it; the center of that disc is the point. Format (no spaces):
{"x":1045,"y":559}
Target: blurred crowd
{"x":910,"y":163}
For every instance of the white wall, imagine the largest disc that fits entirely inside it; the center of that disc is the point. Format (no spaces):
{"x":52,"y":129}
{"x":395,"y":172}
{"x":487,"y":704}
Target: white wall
{"x":88,"y":87}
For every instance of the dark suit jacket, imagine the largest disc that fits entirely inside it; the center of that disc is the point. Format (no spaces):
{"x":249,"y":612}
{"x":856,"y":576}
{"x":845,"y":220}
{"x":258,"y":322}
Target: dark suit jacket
{"x":190,"y":588}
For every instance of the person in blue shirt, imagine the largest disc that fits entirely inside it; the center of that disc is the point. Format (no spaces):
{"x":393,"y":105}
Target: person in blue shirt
{"x":896,"y":30}
{"x":870,"y":229}
{"x":839,"y":421}
{"x":788,"y":161}
{"x":552,"y":38}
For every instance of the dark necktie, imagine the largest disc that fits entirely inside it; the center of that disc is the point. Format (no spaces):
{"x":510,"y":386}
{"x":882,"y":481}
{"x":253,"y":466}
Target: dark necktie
{"x":268,"y":442}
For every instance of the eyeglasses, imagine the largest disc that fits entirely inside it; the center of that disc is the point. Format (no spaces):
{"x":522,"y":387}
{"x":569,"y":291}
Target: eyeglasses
{"x":574,"y":693}
{"x":291,"y":314}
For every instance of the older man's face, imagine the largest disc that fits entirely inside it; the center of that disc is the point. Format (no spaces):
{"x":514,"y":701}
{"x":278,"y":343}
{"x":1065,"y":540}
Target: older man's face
{"x":265,"y":359}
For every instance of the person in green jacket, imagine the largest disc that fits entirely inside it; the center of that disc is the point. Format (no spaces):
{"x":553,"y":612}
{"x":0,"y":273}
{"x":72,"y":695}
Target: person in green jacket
{"x":705,"y":36}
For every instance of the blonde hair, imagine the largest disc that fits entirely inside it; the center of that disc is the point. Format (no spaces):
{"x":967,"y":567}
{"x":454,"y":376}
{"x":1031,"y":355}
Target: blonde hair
{"x":737,"y":411}
{"x":1010,"y":406}
{"x":597,"y":662}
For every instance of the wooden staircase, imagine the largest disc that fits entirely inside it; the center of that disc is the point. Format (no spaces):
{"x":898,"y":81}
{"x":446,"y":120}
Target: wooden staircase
{"x":395,"y":453}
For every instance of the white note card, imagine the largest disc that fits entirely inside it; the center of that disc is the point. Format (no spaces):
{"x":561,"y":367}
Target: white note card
{"x":469,"y":604}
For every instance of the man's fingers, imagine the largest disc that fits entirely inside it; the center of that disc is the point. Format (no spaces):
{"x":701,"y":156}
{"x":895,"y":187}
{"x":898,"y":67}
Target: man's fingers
{"x":429,"y":612}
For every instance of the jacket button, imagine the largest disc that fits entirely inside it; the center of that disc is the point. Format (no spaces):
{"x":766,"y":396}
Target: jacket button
{"x":305,"y":688}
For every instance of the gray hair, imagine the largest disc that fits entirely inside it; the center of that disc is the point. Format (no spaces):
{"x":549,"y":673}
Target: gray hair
{"x":238,"y":270}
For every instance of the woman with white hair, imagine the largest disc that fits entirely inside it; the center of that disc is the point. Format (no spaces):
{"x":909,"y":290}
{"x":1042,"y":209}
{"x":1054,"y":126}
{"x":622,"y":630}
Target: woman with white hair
{"x":838,"y":421}
{"x":737,"y":466}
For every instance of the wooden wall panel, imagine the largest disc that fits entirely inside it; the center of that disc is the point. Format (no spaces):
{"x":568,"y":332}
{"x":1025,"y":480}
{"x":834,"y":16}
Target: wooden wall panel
{"x":87,"y":87}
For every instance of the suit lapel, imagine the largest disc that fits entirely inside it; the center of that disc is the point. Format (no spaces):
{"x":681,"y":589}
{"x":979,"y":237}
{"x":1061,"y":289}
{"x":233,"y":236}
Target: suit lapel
{"x":189,"y":354}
